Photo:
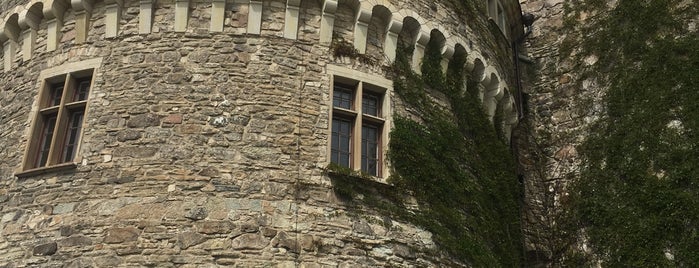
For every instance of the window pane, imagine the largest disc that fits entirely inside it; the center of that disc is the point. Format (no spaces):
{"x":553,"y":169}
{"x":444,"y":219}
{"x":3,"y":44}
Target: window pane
{"x":82,"y":91}
{"x":370,"y":149}
{"x":340,"y":142}
{"x":72,"y":135}
{"x":55,"y":95}
{"x":45,"y":141}
{"x":370,"y":104}
{"x":342,"y":96}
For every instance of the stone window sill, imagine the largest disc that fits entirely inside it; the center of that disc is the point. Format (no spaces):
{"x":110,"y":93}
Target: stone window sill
{"x":43,"y":170}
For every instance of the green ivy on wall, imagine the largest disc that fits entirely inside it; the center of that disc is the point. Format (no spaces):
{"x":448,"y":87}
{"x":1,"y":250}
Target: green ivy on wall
{"x":637,"y":197}
{"x":452,"y":162}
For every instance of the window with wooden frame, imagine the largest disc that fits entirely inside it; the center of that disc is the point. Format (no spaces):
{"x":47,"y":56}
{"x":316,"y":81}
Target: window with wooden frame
{"x":496,"y":12}
{"x":358,"y":131}
{"x":58,"y":123}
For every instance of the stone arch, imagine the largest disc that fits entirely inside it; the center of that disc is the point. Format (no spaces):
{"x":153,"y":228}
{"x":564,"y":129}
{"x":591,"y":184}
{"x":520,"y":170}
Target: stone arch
{"x":10,"y":27}
{"x":9,"y":38}
{"x":408,"y":35}
{"x":345,"y":18}
{"x":29,"y":20}
{"x":438,"y":36}
{"x":476,"y":73}
{"x":378,"y":27}
{"x":460,"y":53}
{"x":310,"y":13}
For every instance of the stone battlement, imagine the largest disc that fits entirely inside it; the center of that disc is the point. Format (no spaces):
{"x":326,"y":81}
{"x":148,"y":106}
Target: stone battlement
{"x":374,"y":27}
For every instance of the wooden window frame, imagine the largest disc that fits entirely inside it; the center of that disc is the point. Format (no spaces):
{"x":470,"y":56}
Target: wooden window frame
{"x":70,"y":77}
{"x":359,"y":119}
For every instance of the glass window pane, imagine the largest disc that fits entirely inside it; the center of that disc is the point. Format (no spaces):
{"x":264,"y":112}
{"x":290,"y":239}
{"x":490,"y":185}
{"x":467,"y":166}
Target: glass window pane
{"x":370,"y":104}
{"x":343,"y":96}
{"x":341,"y":142}
{"x":370,"y":149}
{"x":55,"y":94}
{"x":82,"y":91}
{"x":72,"y":136}
{"x":45,"y":141}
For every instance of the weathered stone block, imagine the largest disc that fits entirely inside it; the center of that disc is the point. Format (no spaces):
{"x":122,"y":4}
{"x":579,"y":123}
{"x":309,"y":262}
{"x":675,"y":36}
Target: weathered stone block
{"x":76,"y":240}
{"x":128,"y":134}
{"x":45,"y":249}
{"x":215,"y":227}
{"x":121,"y":234}
{"x":198,"y":213}
{"x":135,"y":151}
{"x":143,"y":120}
{"x":188,"y":239}
{"x":173,"y":119}
{"x":250,"y":241}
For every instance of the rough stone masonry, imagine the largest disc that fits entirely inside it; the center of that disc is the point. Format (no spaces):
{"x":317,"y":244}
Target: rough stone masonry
{"x":205,"y":146}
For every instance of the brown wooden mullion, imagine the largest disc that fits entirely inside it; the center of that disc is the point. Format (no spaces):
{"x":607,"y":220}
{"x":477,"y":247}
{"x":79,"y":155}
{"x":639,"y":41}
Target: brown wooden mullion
{"x":59,"y":132}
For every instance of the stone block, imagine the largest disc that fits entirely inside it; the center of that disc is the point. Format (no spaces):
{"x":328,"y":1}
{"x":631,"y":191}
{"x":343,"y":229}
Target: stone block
{"x":143,"y":120}
{"x":45,"y":249}
{"x":75,"y":241}
{"x":189,"y":239}
{"x":250,"y":241}
{"x":121,"y":234}
{"x":198,"y":213}
{"x":215,"y":227}
{"x":63,"y":208}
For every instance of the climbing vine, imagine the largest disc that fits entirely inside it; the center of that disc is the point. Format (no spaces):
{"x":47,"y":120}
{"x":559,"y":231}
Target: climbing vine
{"x":636,"y":201}
{"x":452,"y":162}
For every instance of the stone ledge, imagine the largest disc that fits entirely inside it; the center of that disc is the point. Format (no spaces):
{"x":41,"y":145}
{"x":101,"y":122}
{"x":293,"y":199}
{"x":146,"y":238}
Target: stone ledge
{"x":43,"y":170}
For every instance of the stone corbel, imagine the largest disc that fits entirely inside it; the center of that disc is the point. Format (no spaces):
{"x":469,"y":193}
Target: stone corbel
{"x":145,"y":16}
{"x":28,"y":22}
{"x":53,"y":13}
{"x":83,"y":13}
{"x":327,"y":21}
{"x":112,"y":17}
{"x":419,"y":52}
{"x":181,"y":15}
{"x":447,"y":54}
{"x":291,"y":19}
{"x":218,"y":8}
{"x":391,"y":42}
{"x":255,"y":17}
{"x":361,"y":29}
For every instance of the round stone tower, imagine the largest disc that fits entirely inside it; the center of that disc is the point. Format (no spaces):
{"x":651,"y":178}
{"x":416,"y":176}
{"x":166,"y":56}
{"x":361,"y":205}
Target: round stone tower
{"x":191,"y":132}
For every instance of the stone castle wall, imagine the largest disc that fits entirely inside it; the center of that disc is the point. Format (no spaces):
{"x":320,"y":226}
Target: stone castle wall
{"x":205,"y":146}
{"x":559,"y":118}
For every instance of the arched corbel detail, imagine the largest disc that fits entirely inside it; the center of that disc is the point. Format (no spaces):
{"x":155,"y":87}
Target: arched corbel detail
{"x":361,"y":29}
{"x":112,"y":17}
{"x":53,"y":13}
{"x":8,"y":39}
{"x":447,"y":55}
{"x":493,"y":92}
{"x":145,"y":16}
{"x":291,"y":19}
{"x":255,"y":17}
{"x":218,"y":11}
{"x":28,"y":22}
{"x":181,"y":15}
{"x":327,"y":21}
{"x":510,"y":117}
{"x":391,"y":42}
{"x":419,"y":53}
{"x":83,"y":14}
